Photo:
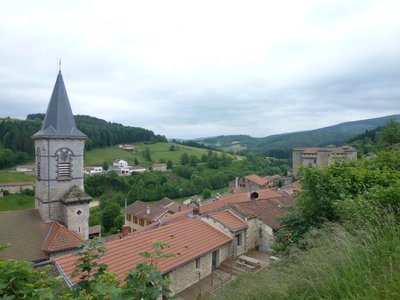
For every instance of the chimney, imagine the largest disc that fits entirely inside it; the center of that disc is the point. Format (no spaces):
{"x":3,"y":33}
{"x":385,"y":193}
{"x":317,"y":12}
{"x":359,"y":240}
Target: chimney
{"x":148,"y":210}
{"x":236,"y":183}
{"x":125,"y":230}
{"x":253,"y":196}
{"x":196,"y":211}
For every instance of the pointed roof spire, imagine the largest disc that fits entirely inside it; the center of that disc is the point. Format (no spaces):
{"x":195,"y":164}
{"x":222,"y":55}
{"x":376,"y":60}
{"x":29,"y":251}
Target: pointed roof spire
{"x":59,"y":120}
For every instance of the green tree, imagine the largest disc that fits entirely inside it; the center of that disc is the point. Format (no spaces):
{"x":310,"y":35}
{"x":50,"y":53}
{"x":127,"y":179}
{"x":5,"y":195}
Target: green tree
{"x":184,"y":159}
{"x":146,"y":281}
{"x":390,"y":134}
{"x":206,"y":194}
{"x":136,"y":162}
{"x":95,"y":282}
{"x":169,"y":164}
{"x":193,"y":160}
{"x":146,"y":154}
{"x":19,"y":280}
{"x":109,"y":214}
{"x":105,"y":166}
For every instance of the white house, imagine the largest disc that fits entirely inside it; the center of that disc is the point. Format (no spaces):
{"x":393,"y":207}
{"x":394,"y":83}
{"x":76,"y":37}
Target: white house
{"x":120,"y":163}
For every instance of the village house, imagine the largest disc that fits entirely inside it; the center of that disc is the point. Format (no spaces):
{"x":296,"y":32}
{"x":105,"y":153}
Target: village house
{"x":93,"y":170}
{"x":25,"y":168}
{"x":120,"y":163}
{"x":262,"y":219}
{"x":126,"y":147}
{"x":232,"y":225}
{"x":140,"y":214}
{"x":159,"y":167}
{"x":15,"y":187}
{"x":198,"y":249}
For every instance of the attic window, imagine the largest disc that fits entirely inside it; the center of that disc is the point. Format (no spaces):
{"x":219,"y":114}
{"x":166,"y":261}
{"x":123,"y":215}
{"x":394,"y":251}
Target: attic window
{"x":64,"y":157}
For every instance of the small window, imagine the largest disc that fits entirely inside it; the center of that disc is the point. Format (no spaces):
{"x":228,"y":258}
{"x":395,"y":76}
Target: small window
{"x":128,"y":217}
{"x":198,"y":263}
{"x":79,"y":212}
{"x":141,"y":222}
{"x":239,"y":239}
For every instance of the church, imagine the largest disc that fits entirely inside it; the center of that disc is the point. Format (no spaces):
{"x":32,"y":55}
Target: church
{"x":60,"y":219}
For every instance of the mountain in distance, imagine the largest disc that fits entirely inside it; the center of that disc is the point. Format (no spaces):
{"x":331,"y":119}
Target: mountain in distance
{"x":281,"y":145}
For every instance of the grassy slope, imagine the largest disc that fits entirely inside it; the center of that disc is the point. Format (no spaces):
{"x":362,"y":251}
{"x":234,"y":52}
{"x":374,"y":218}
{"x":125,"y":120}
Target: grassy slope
{"x":16,"y":202}
{"x":12,"y":176}
{"x":340,"y":266}
{"x":158,"y":151}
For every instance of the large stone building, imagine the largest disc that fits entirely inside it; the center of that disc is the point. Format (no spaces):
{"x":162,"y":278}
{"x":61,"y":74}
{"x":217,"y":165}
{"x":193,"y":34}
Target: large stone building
{"x":59,"y":194}
{"x":320,"y":156}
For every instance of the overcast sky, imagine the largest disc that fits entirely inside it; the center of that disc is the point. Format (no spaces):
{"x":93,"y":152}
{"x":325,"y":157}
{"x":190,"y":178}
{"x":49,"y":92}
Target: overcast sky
{"x":188,"y":69}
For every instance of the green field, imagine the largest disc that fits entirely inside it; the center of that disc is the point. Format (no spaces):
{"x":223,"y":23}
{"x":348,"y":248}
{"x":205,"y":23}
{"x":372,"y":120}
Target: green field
{"x":16,"y":202}
{"x":12,"y":176}
{"x":158,"y":151}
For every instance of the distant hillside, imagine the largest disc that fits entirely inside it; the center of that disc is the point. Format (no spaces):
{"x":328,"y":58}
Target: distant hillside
{"x":16,"y":144}
{"x":281,"y":145}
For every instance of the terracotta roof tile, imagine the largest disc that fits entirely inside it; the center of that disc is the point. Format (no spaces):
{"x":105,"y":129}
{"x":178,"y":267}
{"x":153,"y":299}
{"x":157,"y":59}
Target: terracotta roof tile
{"x":267,"y":210}
{"x":60,"y":238}
{"x":229,"y":219}
{"x":242,"y":197}
{"x":256,"y":179}
{"x":188,"y":239}
{"x":139,"y":209}
{"x":31,"y":239}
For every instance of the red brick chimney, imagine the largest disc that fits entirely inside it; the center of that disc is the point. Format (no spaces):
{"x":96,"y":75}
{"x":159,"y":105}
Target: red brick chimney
{"x":125,"y":230}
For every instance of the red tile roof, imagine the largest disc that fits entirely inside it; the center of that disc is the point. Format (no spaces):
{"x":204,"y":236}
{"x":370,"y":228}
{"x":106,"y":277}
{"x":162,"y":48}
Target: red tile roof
{"x":139,"y":209}
{"x":256,"y":179}
{"x":60,"y":238}
{"x":242,"y":197}
{"x":188,"y":239}
{"x":31,"y":239}
{"x":267,"y":194}
{"x":267,"y":210}
{"x":229,"y":219}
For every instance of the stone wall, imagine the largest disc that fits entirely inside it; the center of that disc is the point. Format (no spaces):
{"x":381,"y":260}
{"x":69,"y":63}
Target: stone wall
{"x":186,"y":275}
{"x":49,"y":190}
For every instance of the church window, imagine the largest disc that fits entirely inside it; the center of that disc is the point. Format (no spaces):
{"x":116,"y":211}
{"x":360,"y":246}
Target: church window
{"x":64,"y":157}
{"x":38,"y":164}
{"x":79,"y":212}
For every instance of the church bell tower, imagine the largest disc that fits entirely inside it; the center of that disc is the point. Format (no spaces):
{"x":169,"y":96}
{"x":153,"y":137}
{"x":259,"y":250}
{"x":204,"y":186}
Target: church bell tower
{"x":59,"y":146}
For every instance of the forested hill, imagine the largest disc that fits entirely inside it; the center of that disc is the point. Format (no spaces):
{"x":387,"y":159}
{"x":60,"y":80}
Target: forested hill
{"x":281,"y":145}
{"x":16,"y":144}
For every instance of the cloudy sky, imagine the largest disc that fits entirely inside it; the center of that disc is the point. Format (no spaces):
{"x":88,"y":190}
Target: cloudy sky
{"x":190,"y":69}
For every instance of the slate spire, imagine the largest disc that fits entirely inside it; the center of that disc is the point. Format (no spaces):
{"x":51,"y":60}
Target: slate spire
{"x":59,"y":121}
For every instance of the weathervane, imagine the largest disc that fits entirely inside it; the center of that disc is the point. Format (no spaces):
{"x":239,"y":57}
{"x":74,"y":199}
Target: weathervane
{"x":59,"y":64}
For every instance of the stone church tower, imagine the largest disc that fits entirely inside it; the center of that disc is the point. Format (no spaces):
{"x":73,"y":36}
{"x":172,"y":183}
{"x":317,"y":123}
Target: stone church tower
{"x":59,"y":191}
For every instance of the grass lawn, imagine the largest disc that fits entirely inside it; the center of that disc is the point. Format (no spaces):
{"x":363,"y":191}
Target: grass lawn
{"x":12,"y":176}
{"x":16,"y":202}
{"x":158,"y":151}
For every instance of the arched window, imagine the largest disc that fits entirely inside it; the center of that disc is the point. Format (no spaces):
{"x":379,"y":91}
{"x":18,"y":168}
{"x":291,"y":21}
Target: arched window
{"x":38,"y":164}
{"x":64,"y":157}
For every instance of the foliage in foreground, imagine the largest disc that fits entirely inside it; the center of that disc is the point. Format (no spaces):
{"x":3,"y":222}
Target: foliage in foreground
{"x":339,"y":265}
{"x":18,"y":280}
